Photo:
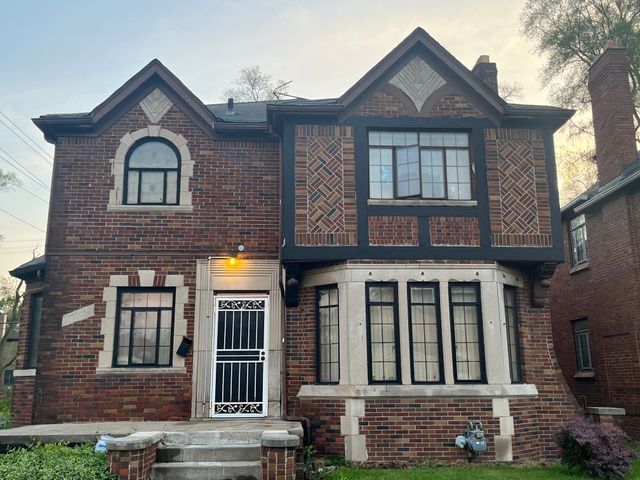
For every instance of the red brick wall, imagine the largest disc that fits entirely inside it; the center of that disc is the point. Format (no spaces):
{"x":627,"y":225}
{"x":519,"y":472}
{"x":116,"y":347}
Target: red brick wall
{"x":393,"y":230}
{"x":132,"y":464}
{"x":278,"y":463}
{"x":455,"y":104}
{"x":454,"y":231}
{"x":385,"y":104}
{"x":607,"y":294}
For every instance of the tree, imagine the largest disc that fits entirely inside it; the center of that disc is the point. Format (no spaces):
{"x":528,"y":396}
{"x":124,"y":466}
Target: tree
{"x":8,"y":180}
{"x":11,"y":296}
{"x":510,"y":91}
{"x":254,"y":85}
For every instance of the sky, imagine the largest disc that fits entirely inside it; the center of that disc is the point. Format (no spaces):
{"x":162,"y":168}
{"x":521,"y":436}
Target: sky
{"x":68,"y":56}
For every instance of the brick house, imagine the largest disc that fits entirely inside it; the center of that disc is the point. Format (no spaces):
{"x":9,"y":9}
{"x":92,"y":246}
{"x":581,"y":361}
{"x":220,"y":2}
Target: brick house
{"x":594,"y":296}
{"x":376,"y":263}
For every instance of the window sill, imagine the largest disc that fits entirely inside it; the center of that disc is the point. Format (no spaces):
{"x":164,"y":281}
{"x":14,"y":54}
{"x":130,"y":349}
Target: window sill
{"x":149,"y":208}
{"x":421,"y":202}
{"x":416,"y":391}
{"x":580,"y":267}
{"x":585,"y":375}
{"x":140,"y":371}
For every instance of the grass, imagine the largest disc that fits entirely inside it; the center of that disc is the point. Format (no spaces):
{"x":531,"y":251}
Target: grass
{"x":494,"y":472}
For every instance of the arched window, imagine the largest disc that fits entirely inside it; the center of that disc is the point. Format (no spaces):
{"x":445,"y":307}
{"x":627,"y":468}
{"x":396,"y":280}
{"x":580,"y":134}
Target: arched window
{"x":152,"y":173}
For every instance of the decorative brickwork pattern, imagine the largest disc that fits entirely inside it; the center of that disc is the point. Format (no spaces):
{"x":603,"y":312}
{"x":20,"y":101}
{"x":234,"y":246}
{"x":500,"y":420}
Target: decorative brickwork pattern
{"x":393,"y":230}
{"x":518,"y":188}
{"x":278,"y":463}
{"x":454,"y":104}
{"x":132,"y":464}
{"x":418,"y":81}
{"x":325,"y":186}
{"x":454,"y":231}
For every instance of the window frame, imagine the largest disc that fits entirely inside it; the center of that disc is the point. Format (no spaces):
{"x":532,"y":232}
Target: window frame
{"x":396,"y":322}
{"x":583,"y":225}
{"x":586,"y":332}
{"x":116,"y":345}
{"x":481,"y":353}
{"x":516,"y":333}
{"x":320,"y":288}
{"x":165,"y":171}
{"x":35,"y":328}
{"x":442,"y":149}
{"x":436,"y":286}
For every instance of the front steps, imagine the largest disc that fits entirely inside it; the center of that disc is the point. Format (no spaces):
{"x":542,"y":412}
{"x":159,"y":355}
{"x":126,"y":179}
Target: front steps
{"x":213,"y":455}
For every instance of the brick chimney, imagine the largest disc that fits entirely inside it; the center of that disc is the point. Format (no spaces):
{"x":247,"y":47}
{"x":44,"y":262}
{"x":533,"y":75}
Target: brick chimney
{"x":612,"y":108}
{"x":487,"y":71}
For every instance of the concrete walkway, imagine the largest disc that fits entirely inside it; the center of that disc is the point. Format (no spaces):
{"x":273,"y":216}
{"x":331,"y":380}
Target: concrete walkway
{"x":89,"y":432}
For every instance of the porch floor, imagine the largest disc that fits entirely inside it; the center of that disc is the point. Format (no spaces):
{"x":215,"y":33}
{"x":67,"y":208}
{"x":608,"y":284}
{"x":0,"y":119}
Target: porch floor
{"x":89,"y":432}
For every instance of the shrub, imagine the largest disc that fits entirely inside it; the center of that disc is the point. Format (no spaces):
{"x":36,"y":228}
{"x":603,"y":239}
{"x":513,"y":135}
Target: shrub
{"x":5,"y":412}
{"x":54,"y":462}
{"x":601,"y":450}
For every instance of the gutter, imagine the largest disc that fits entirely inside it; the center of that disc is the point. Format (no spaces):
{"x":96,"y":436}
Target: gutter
{"x":606,"y":193}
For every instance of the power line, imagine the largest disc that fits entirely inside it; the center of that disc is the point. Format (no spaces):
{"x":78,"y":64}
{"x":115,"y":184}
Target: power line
{"x":32,"y":194}
{"x":21,"y":220}
{"x":28,"y":137}
{"x":24,"y":170}
{"x":23,"y":240}
{"x":23,"y":140}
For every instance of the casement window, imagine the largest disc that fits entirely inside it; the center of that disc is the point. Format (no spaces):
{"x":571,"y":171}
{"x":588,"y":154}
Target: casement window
{"x":581,"y":337}
{"x":466,"y":326}
{"x":429,"y":165}
{"x":144,"y":327}
{"x":382,"y":333}
{"x":152,"y":173}
{"x":513,"y":334}
{"x":328,"y":336}
{"x":424,"y":333}
{"x":35,"y":321}
{"x":578,"y":240}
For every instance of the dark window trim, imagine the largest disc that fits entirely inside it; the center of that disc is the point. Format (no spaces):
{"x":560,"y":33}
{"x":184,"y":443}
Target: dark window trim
{"x":35,"y":326}
{"x":516,"y":332}
{"x":396,"y":325}
{"x":394,"y":165}
{"x":478,"y":305}
{"x":436,"y":286}
{"x":127,"y":169}
{"x":574,"y":262}
{"x":116,"y":344}
{"x":318,"y":290}
{"x":586,"y":331}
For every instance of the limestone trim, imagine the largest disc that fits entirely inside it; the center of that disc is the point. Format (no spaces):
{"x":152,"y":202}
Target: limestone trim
{"x":146,"y":278}
{"x":118,"y":169}
{"x":30,"y":372}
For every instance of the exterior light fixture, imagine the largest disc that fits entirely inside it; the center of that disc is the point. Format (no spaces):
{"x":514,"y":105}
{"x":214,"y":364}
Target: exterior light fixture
{"x":233,"y":258}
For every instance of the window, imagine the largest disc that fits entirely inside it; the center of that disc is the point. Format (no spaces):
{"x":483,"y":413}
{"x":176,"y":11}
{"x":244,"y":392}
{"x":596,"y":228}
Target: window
{"x":382,"y":333}
{"x":424,"y":333}
{"x":466,"y":320}
{"x":8,"y":378}
{"x":144,"y":328}
{"x":578,"y":240}
{"x":581,"y":338}
{"x":328,"y":336}
{"x":35,"y":313}
{"x":152,"y":173}
{"x":432,"y":165}
{"x":513,"y":334}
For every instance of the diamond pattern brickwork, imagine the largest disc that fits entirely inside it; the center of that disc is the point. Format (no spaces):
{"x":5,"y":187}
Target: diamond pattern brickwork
{"x":325,"y":186}
{"x":518,"y":188}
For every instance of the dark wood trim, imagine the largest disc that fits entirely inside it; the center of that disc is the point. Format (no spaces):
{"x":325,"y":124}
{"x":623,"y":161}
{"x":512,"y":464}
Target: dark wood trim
{"x":436,"y":287}
{"x":516,"y":326}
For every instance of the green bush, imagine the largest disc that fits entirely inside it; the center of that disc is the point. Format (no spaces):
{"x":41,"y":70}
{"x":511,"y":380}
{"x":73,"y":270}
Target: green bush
{"x":5,"y":413}
{"x":54,"y":462}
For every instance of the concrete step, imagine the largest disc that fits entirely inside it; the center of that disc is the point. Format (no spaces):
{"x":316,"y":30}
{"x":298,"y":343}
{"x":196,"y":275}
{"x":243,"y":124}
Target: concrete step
{"x":207,"y":471}
{"x":208,"y":453}
{"x":214,"y":437}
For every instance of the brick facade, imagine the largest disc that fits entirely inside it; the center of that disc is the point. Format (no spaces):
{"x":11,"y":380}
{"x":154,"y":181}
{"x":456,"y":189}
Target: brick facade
{"x":393,"y":230}
{"x":132,"y":464}
{"x":454,"y":231}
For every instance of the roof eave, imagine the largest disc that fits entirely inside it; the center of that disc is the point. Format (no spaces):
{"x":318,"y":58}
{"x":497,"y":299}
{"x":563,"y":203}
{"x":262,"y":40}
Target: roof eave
{"x":596,"y":199}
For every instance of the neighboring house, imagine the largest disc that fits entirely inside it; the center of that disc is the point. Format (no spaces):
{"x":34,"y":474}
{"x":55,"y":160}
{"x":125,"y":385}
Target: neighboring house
{"x":8,"y":351}
{"x":595,"y":294}
{"x":375,"y":262}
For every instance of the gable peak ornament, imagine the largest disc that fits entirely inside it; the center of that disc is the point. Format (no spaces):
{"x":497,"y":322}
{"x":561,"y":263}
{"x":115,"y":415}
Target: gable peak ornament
{"x":418,"y":81}
{"x":155,"y":105}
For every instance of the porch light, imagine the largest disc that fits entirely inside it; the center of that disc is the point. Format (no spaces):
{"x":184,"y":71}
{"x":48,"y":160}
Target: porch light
{"x":234,"y":257}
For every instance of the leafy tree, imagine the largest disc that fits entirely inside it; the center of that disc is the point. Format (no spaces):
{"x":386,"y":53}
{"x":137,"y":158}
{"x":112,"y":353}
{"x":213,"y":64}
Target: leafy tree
{"x":254,"y":85}
{"x":11,"y":296}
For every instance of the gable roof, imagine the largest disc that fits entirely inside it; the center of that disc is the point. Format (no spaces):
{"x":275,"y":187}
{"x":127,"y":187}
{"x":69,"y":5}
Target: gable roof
{"x":420,"y":38}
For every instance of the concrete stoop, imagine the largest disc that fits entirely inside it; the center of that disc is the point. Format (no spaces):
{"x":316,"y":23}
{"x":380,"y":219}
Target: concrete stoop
{"x":208,"y":456}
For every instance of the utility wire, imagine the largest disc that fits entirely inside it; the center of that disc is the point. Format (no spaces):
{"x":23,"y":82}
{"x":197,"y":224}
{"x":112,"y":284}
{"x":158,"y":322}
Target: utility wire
{"x":32,"y":194}
{"x":23,"y":140}
{"x":23,"y":240}
{"x":21,"y":220}
{"x":28,"y":137}
{"x":22,"y":169}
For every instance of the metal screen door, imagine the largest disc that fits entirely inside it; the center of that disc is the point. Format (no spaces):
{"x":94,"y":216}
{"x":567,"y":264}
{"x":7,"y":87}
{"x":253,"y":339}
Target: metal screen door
{"x":239,"y":380}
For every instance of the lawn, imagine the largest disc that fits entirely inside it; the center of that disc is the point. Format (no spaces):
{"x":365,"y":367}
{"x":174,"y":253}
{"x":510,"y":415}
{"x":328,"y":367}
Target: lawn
{"x":500,"y":472}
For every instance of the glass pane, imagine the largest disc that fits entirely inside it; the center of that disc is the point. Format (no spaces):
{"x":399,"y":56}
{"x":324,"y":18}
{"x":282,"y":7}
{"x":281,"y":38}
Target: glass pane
{"x":127,"y":299}
{"x":323,"y":299}
{"x":123,"y":337}
{"x":123,"y":356}
{"x":165,"y":318}
{"x":163,"y":355}
{"x":374,"y":138}
{"x":387,"y":294}
{"x":140,"y":300}
{"x":137,"y":355}
{"x":166,"y":300}
{"x":132,"y":187}
{"x":153,"y":154}
{"x":152,"y":187}
{"x":333,"y":296}
{"x":165,"y":337}
{"x":172,"y":187}
{"x":125,"y":319}
{"x":153,"y":299}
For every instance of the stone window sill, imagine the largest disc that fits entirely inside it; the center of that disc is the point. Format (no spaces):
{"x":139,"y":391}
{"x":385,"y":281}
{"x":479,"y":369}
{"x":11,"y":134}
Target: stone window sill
{"x":140,"y":371}
{"x":417,"y":391}
{"x":578,"y":268}
{"x":149,"y":208}
{"x":584,"y":375}
{"x":421,"y":202}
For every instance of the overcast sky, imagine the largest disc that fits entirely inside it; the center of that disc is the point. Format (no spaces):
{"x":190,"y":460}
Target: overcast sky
{"x":67,"y":56}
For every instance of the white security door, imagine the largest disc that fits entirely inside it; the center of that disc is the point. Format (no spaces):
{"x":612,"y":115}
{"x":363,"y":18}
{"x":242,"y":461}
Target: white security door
{"x":239,"y":380}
